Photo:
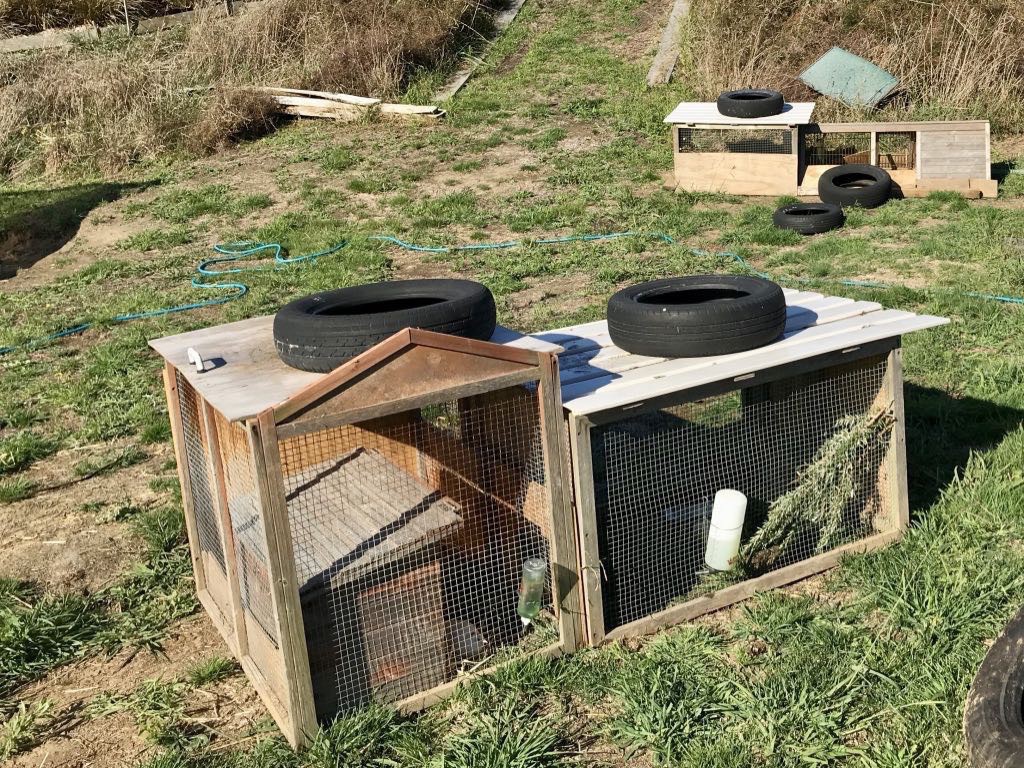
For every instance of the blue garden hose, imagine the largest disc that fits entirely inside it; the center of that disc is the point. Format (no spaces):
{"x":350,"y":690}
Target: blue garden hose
{"x":235,"y":252}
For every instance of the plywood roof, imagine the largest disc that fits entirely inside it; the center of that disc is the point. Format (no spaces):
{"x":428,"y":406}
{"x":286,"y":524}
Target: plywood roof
{"x":706,"y":113}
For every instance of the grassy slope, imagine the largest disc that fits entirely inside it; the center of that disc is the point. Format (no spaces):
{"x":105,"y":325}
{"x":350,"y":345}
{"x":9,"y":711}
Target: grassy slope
{"x":872,"y":672}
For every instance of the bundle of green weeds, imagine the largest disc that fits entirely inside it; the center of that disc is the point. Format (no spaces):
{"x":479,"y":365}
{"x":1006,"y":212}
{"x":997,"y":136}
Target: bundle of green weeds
{"x":816,"y":506}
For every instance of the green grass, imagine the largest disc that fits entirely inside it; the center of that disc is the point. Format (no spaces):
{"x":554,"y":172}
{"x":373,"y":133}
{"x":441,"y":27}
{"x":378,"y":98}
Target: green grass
{"x":870,"y":669}
{"x":181,"y":206}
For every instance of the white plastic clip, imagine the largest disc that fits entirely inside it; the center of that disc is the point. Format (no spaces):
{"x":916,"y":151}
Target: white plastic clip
{"x":196,"y":359}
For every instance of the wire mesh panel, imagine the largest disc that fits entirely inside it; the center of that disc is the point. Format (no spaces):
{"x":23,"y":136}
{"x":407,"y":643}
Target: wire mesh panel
{"x":837,"y":148}
{"x":197,"y":467}
{"x":761,"y":141}
{"x":808,"y":453}
{"x":897,"y":151}
{"x":247,"y":524}
{"x":410,"y":535}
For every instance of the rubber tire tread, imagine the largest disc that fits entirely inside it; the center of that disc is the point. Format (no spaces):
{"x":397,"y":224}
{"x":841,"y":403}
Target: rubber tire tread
{"x":815,"y":224}
{"x":320,"y":343}
{"x":870,"y":196}
{"x":697,"y":330}
{"x":993,"y":722}
{"x":730,"y":106}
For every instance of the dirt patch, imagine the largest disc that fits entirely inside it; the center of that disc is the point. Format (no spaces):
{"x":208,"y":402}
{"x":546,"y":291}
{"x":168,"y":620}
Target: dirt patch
{"x":530,"y":308}
{"x":229,"y":711}
{"x":64,"y":541}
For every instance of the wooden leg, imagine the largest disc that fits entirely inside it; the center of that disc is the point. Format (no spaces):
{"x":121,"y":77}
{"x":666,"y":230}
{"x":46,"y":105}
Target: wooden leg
{"x":586,"y":521}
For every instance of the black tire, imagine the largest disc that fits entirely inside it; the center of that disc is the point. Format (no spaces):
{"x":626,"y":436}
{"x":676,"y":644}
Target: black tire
{"x":697,"y":316}
{"x":749,"y":102}
{"x":320,"y":332}
{"x":865,"y":185}
{"x":993,"y":721}
{"x":809,"y":218}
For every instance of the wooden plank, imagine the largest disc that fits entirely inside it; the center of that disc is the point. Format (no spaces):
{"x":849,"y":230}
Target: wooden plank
{"x":302,"y":723}
{"x":177,"y":432}
{"x":734,"y":594}
{"x":421,"y":701}
{"x":705,"y":113}
{"x":365,"y":496}
{"x":690,"y":366}
{"x":591,"y":571}
{"x":558,"y":473}
{"x":316,"y":96}
{"x":50,"y":38}
{"x":668,"y":49}
{"x":987,"y":187}
{"x":988,"y":154}
{"x":385,"y":407}
{"x":462,"y":75}
{"x":737,"y":173}
{"x":942,"y":126}
{"x":656,"y":380}
{"x":211,"y":438}
{"x":897,"y":454}
{"x":245,"y":376}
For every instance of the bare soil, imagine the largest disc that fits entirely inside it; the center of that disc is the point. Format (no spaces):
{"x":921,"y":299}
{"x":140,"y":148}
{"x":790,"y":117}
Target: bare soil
{"x":228,"y":711}
{"x":65,"y":539}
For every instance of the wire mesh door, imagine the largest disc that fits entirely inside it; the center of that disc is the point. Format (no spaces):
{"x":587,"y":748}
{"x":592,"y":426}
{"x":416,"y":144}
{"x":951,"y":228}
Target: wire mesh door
{"x":411,"y":533}
{"x":808,"y":452}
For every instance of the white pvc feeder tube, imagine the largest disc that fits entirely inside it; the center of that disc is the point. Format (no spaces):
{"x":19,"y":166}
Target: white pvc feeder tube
{"x":725,"y":530}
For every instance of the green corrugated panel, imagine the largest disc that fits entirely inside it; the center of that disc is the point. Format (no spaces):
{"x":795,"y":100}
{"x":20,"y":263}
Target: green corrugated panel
{"x":849,"y":78}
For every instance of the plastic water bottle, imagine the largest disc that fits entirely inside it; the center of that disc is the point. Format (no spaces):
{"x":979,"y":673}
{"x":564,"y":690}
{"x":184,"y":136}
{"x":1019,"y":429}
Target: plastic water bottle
{"x":531,"y":588}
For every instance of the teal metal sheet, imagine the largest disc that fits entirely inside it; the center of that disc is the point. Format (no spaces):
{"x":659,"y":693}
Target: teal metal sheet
{"x":849,"y":78}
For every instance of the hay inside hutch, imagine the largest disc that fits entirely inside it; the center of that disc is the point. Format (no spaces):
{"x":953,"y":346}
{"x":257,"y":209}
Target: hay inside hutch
{"x":786,"y":154}
{"x":359,"y":536}
{"x":809,"y":428}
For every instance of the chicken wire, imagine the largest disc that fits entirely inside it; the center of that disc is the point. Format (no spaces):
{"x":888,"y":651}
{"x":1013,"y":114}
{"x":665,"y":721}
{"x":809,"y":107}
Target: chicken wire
{"x":759,"y":141}
{"x":837,"y":148}
{"x":409,"y":535}
{"x":656,"y":475}
{"x":197,"y":468}
{"x":249,"y":534}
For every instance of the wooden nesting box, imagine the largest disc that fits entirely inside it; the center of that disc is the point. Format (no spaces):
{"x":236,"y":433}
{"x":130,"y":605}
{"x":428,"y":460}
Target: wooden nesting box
{"x":809,"y":428}
{"x":359,"y":536}
{"x":785,"y":154}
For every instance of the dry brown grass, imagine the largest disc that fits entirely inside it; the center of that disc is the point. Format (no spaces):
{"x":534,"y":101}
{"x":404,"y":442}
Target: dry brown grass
{"x":954,"y":58}
{"x":22,"y":16}
{"x":105,"y":107}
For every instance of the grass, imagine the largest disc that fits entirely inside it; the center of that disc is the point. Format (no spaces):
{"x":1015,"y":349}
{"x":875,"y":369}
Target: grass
{"x":41,"y":631}
{"x":556,"y":135}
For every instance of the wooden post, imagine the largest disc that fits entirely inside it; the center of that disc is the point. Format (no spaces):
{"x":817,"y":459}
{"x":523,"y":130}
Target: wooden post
{"x":873,"y":148}
{"x":586,"y":521}
{"x":564,"y":554}
{"x":284,"y":585}
{"x":897,"y":454}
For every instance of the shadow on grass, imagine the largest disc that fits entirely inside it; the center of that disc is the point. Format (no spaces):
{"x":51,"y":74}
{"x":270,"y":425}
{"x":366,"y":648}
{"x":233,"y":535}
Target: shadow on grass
{"x":36,"y":223}
{"x":942,"y":431}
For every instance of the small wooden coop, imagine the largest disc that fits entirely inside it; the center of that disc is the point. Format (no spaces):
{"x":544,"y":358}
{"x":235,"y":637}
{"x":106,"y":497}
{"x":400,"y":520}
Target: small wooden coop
{"x":785,"y":154}
{"x":360,"y":536}
{"x":809,"y":428}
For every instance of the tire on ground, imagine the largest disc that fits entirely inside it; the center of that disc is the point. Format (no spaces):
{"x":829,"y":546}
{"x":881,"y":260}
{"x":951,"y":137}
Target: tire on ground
{"x":993,"y":723}
{"x":697,"y":316}
{"x":865,"y":185}
{"x":321,"y":331}
{"x":809,"y":218}
{"x":747,"y":103}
